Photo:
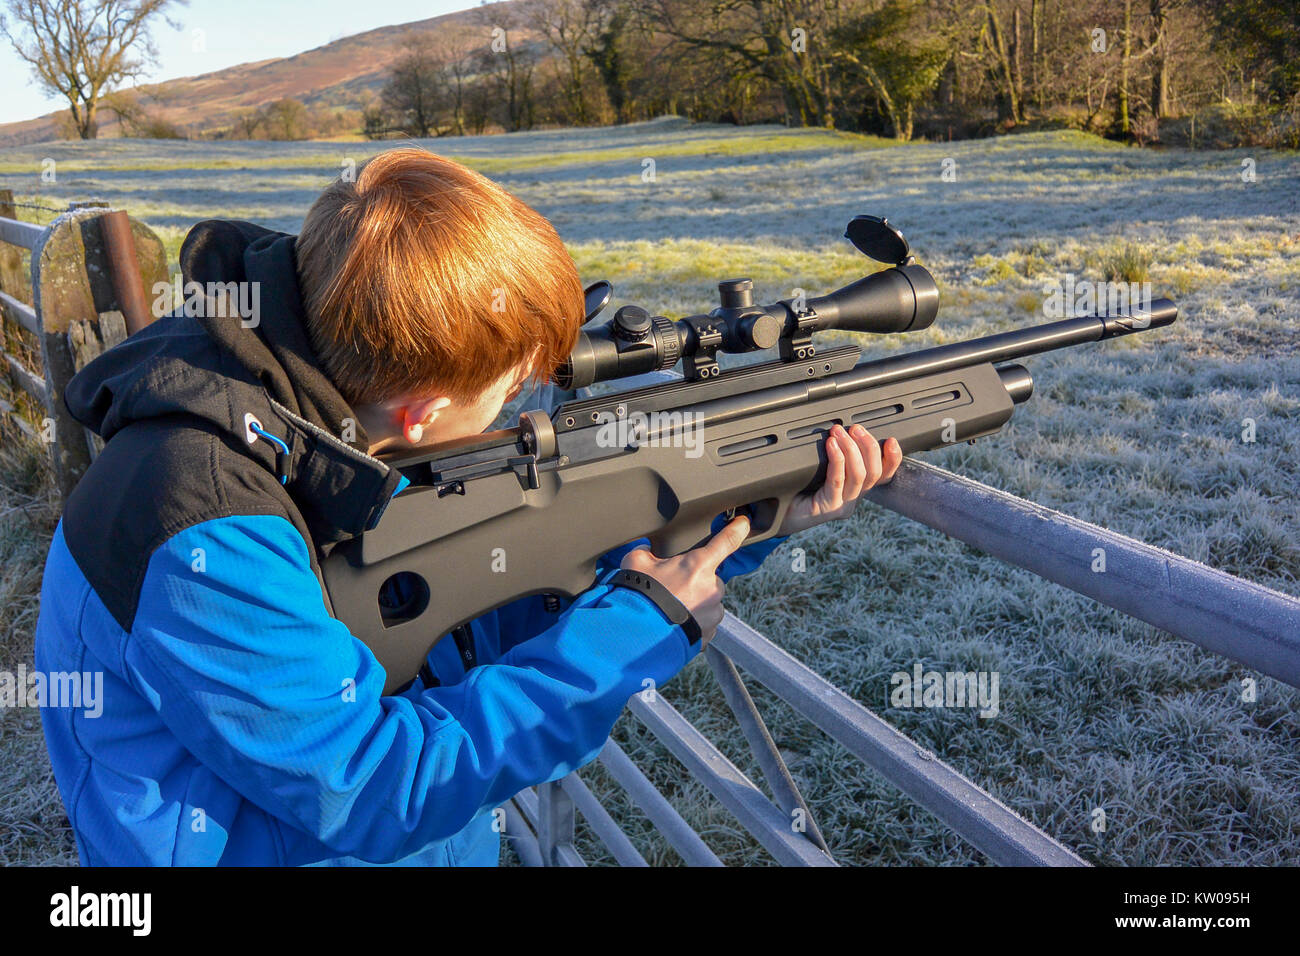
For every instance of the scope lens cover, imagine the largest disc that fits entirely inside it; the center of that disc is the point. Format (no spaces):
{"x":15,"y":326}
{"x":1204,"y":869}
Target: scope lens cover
{"x":597,"y":296}
{"x":877,"y":239}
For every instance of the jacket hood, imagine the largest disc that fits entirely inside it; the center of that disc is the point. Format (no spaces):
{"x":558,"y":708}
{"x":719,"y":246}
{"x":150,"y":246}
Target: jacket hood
{"x":237,"y":357}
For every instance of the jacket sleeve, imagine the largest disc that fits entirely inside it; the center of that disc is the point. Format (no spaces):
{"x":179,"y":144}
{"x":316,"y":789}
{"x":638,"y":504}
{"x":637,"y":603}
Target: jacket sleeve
{"x":233,"y":646}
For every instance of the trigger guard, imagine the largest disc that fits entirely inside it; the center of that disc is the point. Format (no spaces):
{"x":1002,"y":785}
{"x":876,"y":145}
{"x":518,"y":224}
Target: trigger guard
{"x":667,"y":545}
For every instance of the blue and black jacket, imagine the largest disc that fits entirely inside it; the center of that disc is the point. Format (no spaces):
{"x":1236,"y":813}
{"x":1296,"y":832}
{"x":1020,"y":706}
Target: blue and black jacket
{"x":241,"y":722}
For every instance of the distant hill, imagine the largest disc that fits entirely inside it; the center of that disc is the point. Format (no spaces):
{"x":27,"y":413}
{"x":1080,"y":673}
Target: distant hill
{"x":344,"y":73}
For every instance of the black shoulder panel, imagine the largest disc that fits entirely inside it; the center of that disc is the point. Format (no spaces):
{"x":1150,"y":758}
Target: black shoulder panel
{"x":156,"y":478}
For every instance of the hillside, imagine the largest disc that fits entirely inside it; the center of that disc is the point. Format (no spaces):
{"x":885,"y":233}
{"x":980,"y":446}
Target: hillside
{"x":343,"y":73}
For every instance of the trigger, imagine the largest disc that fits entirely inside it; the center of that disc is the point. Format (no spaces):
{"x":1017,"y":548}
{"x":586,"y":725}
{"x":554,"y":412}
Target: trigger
{"x":734,"y":510}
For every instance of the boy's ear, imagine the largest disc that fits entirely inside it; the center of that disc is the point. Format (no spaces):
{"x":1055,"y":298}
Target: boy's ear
{"x":418,"y":416}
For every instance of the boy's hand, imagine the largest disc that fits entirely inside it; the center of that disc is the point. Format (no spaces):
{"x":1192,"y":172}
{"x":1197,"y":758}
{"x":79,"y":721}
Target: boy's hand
{"x":857,"y":463}
{"x":692,"y":576}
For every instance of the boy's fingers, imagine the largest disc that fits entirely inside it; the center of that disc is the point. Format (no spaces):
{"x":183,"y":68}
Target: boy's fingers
{"x":892,"y":457}
{"x":871,"y":456}
{"x":856,"y":465}
{"x":832,"y":489}
{"x":723,"y":544}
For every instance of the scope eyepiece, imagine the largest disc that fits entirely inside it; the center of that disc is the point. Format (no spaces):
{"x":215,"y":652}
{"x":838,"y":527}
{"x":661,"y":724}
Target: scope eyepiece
{"x":632,"y":343}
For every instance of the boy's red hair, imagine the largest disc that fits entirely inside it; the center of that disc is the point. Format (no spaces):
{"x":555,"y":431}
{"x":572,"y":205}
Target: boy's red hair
{"x":423,"y":277}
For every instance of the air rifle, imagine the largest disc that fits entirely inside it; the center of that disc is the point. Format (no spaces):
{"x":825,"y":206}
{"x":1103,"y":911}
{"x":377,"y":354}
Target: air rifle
{"x":529,"y":510}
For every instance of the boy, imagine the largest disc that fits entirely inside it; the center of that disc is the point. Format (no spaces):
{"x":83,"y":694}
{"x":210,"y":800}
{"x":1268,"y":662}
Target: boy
{"x":242,"y":723}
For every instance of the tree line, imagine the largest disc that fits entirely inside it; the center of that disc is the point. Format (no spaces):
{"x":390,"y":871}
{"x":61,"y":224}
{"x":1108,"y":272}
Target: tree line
{"x":1208,"y":72}
{"x":1131,"y":69}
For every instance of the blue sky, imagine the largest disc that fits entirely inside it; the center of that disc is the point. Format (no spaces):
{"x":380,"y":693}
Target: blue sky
{"x":233,"y":31}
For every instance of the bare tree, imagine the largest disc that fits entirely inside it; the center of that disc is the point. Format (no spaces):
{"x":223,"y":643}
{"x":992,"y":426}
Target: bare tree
{"x":899,"y":61}
{"x":995,"y":39}
{"x":1035,"y":47}
{"x":413,"y":90}
{"x":247,"y":122}
{"x":509,"y":61}
{"x":610,"y":51}
{"x":285,"y":119}
{"x":567,"y":27}
{"x":780,"y":41}
{"x":1125,"y":62}
{"x":455,"y":53}
{"x":137,"y":112}
{"x":375,"y":123}
{"x":127,"y":108}
{"x":81,"y":49}
{"x":1160,"y":65}
{"x":478,"y":107}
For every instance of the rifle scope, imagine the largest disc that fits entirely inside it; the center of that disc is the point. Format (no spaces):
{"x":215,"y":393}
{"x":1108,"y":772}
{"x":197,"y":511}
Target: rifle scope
{"x":898,"y":299}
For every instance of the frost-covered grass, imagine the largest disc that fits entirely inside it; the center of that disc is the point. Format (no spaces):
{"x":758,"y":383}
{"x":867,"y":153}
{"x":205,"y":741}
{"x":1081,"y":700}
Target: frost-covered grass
{"x":1141,"y":435}
{"x":33,"y":827}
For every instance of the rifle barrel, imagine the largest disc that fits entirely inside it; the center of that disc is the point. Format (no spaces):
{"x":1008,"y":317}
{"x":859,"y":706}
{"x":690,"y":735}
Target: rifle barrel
{"x":1006,"y":346}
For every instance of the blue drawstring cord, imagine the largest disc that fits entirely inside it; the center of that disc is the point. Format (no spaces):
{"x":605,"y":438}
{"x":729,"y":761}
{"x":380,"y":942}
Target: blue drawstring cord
{"x":284,"y":449}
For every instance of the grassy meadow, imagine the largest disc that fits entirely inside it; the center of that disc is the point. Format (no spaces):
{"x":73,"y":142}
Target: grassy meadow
{"x":1143,"y":435}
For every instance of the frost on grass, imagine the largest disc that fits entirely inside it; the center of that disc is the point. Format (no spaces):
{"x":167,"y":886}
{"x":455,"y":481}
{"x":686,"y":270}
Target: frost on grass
{"x":33,"y":827}
{"x":1141,"y":435}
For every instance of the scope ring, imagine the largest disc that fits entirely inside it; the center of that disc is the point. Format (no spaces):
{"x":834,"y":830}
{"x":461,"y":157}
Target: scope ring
{"x":665,"y":332}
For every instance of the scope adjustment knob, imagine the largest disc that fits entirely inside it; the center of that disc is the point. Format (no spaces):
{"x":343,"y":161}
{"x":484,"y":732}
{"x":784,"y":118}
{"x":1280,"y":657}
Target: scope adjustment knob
{"x":631,"y":323}
{"x":760,"y":330}
{"x":736,"y":293}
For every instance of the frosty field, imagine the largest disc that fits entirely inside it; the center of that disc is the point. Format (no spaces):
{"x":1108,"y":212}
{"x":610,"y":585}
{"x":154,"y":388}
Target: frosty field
{"x":1142,"y":435}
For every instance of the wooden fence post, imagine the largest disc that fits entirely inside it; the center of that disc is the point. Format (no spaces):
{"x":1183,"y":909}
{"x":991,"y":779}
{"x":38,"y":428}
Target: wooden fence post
{"x":81,"y":315}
